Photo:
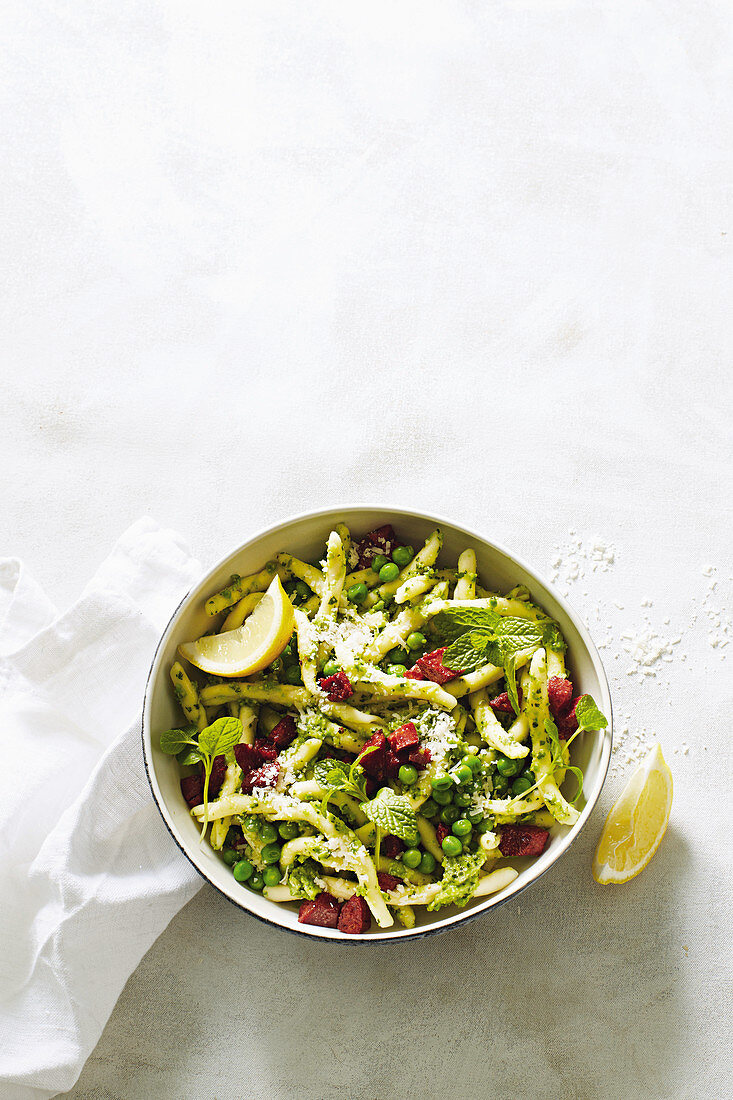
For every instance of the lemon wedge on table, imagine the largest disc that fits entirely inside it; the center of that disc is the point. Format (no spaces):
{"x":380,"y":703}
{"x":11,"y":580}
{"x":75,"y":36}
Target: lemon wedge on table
{"x":636,"y":824}
{"x":252,"y":646}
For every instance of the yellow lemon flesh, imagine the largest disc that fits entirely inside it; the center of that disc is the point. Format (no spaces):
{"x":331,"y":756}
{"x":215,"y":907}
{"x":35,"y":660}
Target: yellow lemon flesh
{"x":636,"y":824}
{"x":252,"y":646}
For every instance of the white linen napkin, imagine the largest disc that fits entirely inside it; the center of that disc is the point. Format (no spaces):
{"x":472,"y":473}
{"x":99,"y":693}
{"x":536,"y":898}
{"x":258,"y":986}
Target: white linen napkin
{"x":89,"y":875}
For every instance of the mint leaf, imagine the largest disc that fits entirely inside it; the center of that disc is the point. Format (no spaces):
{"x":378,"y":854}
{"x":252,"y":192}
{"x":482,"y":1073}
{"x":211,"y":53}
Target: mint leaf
{"x":174,"y":741}
{"x":588,"y":715}
{"x":220,"y":737}
{"x":189,"y":756}
{"x":468,"y":652}
{"x":455,"y":621}
{"x":579,"y":779}
{"x":510,"y":674}
{"x":552,"y":732}
{"x":331,"y":774}
{"x":393,"y":813}
{"x":518,"y":634}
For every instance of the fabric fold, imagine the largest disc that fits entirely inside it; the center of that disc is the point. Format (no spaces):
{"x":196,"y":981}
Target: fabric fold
{"x":90,"y":876}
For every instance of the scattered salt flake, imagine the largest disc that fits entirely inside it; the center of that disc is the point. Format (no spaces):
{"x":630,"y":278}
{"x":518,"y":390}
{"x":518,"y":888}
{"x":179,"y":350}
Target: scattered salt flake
{"x":646,"y":602}
{"x":708,"y":570}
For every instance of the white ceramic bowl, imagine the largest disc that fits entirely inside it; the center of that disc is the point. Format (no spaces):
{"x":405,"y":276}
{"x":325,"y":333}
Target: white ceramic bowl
{"x":305,"y":536}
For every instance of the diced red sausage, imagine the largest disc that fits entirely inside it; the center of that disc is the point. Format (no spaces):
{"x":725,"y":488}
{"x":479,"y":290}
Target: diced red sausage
{"x":434,"y":669}
{"x":391,"y":847}
{"x":404,"y":738}
{"x":323,"y":911}
{"x":355,"y":917}
{"x":373,"y":762}
{"x":381,"y":540}
{"x":500,"y":704}
{"x":218,"y":771}
{"x":560,"y":694}
{"x":266,"y":750}
{"x":442,"y":832}
{"x":192,"y":789}
{"x":387,"y":882}
{"x":567,"y":723}
{"x":420,"y":758}
{"x":523,"y":840}
{"x":392,"y":765}
{"x":284,"y":732}
{"x":415,"y":673}
{"x":247,"y":756}
{"x":337,"y":687}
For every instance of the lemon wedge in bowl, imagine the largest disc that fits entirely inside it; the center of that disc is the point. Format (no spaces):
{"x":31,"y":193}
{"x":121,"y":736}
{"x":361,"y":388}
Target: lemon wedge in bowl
{"x":254,"y":645}
{"x":636,"y":823}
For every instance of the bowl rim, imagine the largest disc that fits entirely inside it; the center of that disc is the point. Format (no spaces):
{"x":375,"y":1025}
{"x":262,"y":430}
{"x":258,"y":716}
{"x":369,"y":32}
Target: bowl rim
{"x":457,"y":920}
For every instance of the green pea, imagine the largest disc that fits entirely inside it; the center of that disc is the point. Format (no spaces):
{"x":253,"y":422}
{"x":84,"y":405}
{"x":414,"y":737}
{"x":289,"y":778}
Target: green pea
{"x":389,"y":572}
{"x":408,"y":774}
{"x":429,"y":808}
{"x":450,"y":814}
{"x":268,"y":832}
{"x":485,"y":825}
{"x":416,"y":640}
{"x":443,"y":798}
{"x":402,"y":555}
{"x":229,"y":856}
{"x":412,"y":857}
{"x":506,"y":766}
{"x":462,"y":798}
{"x":357,"y":593}
{"x":378,"y":561}
{"x":442,"y":783}
{"x":288,"y":830}
{"x":475,"y":816}
{"x":271,"y":853}
{"x":522,"y":784}
{"x":427,"y":863}
{"x":256,"y":882}
{"x":398,"y":656}
{"x":463,"y":773}
{"x":242,"y":870}
{"x":473,"y":763}
{"x":466,"y":845}
{"x":451,"y":845}
{"x":330,"y":668}
{"x":271,"y":876}
{"x":462,"y":827}
{"x":396,"y":670}
{"x":501,"y":785}
{"x":291,"y":674}
{"x":302,"y":590}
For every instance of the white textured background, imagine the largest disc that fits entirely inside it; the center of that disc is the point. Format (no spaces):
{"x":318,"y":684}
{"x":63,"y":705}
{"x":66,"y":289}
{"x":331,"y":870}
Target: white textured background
{"x":259,"y":258}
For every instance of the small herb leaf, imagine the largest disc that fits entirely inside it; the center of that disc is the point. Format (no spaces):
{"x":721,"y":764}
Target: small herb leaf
{"x":510,"y":674}
{"x":174,"y":741}
{"x":220,"y":737}
{"x":332,"y":774}
{"x":468,"y":652}
{"x":588,"y":715}
{"x":393,"y":814}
